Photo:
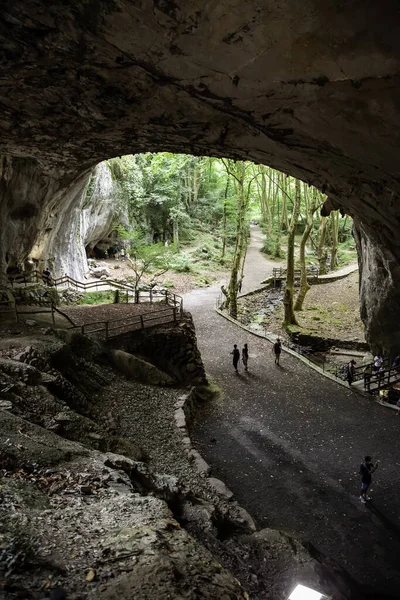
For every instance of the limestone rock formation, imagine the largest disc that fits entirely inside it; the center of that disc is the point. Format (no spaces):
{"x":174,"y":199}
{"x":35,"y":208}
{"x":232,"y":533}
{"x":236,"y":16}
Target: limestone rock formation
{"x":139,"y":369}
{"x":308,"y":88}
{"x":78,"y":224}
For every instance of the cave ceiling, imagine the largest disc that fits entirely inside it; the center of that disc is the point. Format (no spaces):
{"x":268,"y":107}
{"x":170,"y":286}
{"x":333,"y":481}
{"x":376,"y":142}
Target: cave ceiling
{"x":310,"y":88}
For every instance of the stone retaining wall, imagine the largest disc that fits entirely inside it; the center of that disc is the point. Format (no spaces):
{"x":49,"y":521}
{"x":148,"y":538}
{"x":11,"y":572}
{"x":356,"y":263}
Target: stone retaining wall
{"x":171,"y":348}
{"x":185,"y":409}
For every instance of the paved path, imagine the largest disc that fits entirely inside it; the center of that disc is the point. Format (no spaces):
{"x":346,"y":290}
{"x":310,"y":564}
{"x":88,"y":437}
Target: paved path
{"x":288,"y":442}
{"x":340,"y":272}
{"x":257,"y":267}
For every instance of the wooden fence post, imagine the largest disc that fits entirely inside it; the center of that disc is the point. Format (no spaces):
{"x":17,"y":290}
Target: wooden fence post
{"x":151,"y":295}
{"x":174,"y":310}
{"x":141,"y":321}
{"x":166,"y":296}
{"x":136,"y":296}
{"x":52,"y":314}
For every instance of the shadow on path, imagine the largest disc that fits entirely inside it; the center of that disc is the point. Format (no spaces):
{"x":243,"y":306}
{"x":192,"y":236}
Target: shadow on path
{"x":288,"y":442}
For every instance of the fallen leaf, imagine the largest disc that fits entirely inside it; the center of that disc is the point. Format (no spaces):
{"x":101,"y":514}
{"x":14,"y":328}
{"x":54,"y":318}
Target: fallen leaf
{"x":91,"y":575}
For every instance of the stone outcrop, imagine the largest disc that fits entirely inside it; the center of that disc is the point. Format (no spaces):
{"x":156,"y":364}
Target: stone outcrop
{"x":310,"y":89}
{"x":173,"y":349}
{"x":82,"y":222}
{"x":138,"y":369}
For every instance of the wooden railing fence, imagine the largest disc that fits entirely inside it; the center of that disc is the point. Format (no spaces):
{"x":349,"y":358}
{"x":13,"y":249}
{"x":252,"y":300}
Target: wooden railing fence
{"x":279,"y":273}
{"x":112,"y":327}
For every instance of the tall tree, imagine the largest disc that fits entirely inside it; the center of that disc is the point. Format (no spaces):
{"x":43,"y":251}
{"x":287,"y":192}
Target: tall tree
{"x":311,"y":207}
{"x":335,"y":238}
{"x":289,"y":316}
{"x":237,"y":170}
{"x":224,"y":219}
{"x":321,"y":252}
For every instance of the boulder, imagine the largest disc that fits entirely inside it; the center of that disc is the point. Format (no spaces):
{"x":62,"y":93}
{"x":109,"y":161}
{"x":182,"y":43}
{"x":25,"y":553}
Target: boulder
{"x":100,"y":272}
{"x":140,"y":370}
{"x":20,"y":371}
{"x":220,"y":487}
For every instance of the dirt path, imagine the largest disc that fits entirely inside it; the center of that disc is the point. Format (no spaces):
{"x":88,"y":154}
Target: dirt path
{"x":288,"y":442}
{"x":257,"y":267}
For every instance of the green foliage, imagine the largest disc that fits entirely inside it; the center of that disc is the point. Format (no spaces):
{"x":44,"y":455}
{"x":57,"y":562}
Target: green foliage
{"x":182,"y":263}
{"x":180,"y":199}
{"x":167,"y":283}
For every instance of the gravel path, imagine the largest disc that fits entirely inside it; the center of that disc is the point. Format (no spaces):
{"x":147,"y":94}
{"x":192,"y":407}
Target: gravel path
{"x":288,"y":442}
{"x":146,"y":416}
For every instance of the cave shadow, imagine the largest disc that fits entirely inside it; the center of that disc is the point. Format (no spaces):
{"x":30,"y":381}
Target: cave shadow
{"x":390,"y":525}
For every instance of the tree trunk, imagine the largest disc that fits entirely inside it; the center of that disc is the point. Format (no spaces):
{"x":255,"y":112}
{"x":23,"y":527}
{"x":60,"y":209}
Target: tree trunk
{"x":224,"y":219}
{"x":264,"y":199}
{"x":243,"y":261}
{"x":175,"y":232}
{"x":289,"y":317}
{"x":341,"y":234}
{"x":335,"y":235}
{"x":321,"y":252}
{"x":240,"y":241}
{"x":304,"y":285}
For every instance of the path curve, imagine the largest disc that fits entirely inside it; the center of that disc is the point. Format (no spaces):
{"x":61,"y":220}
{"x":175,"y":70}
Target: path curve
{"x":288,"y":442}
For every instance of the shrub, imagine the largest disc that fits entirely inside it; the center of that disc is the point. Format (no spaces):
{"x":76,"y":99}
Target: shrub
{"x":167,"y":283}
{"x":181,"y":263}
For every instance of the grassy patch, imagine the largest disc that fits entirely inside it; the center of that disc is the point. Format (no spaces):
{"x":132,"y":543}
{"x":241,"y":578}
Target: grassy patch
{"x":97,"y":297}
{"x":168,"y":283}
{"x":207,"y":392}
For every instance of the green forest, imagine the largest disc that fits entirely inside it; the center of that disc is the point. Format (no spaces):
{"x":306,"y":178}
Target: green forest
{"x":187,"y":214}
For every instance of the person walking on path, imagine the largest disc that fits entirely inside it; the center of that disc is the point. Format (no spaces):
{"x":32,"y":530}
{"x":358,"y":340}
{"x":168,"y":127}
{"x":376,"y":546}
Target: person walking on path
{"x":378,"y":363}
{"x":367,"y":378}
{"x":245,"y":356}
{"x":277,"y":349}
{"x":366,"y":470}
{"x":350,"y":371}
{"x":236,"y":356}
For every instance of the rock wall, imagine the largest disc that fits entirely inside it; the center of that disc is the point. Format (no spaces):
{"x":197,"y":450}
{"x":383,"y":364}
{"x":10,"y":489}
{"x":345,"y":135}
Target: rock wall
{"x":97,"y":215}
{"x":52,"y":221}
{"x":33,"y":204}
{"x":79,"y":222}
{"x":309,"y":88}
{"x":172,"y":349}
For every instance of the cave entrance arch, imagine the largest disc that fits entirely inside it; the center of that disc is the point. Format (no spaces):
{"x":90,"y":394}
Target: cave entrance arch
{"x":311,"y":90}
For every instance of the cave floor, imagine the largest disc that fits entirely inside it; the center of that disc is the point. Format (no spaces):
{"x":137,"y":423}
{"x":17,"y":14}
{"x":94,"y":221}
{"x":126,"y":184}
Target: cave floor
{"x":289,"y":442}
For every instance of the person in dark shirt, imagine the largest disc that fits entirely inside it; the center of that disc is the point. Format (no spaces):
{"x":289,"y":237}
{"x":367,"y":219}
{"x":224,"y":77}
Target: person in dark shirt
{"x":277,"y":349}
{"x":236,"y":356}
{"x":367,"y":377}
{"x":350,"y":371}
{"x":366,"y":470}
{"x":245,"y":356}
{"x":46,"y":276}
